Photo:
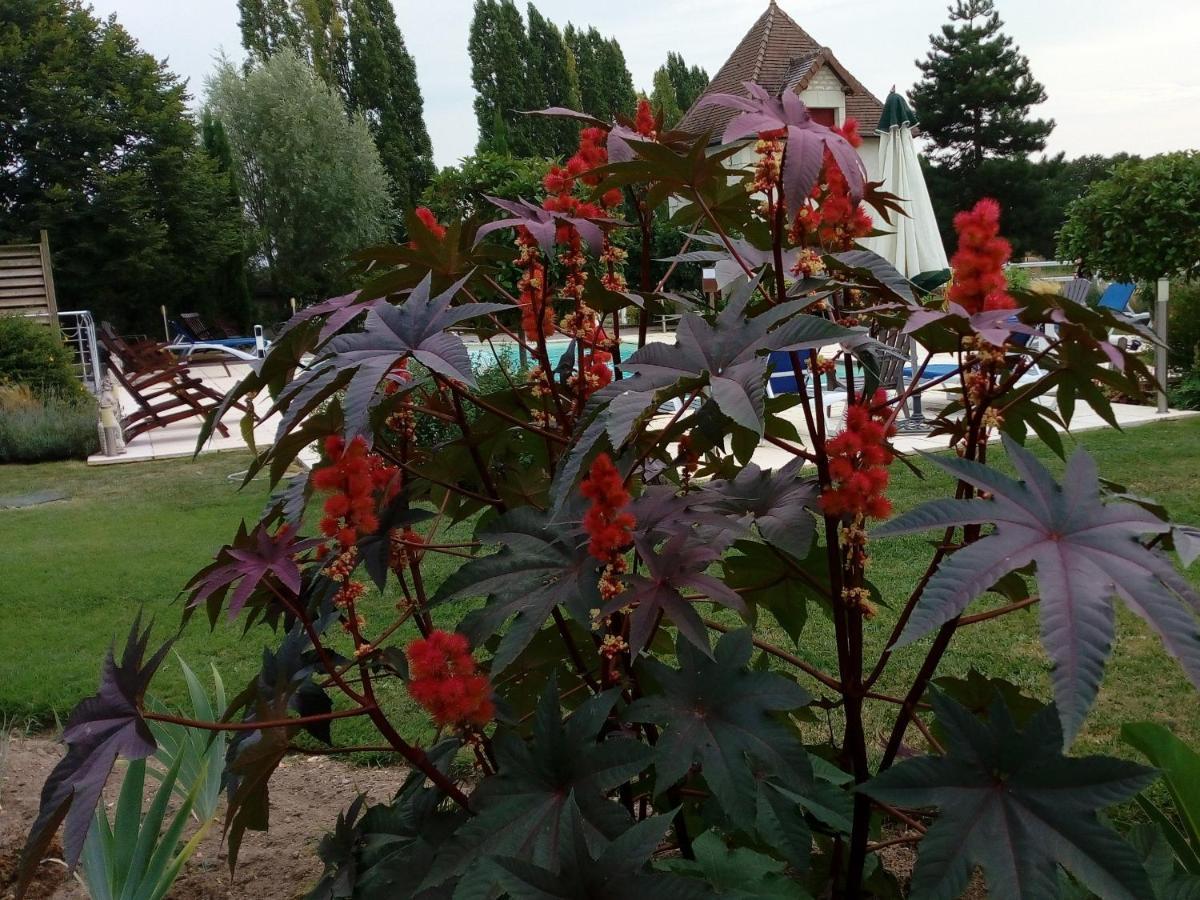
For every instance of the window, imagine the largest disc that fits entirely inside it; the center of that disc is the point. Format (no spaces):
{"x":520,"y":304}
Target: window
{"x":823,"y":115}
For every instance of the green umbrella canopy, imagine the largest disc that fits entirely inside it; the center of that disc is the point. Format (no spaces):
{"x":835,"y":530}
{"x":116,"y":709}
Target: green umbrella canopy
{"x":896,"y":113}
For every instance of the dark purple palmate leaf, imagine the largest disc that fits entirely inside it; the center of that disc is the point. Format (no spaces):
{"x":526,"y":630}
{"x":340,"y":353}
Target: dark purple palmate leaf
{"x":619,"y":135}
{"x":807,"y":140}
{"x":728,"y":267}
{"x":417,"y":328}
{"x":1010,"y":802}
{"x":1085,"y":552}
{"x":779,"y":502}
{"x":341,"y":311}
{"x":250,"y":560}
{"x":104,"y":726}
{"x":730,"y":354}
{"x":995,"y":326}
{"x":677,"y":567}
{"x":543,"y":224}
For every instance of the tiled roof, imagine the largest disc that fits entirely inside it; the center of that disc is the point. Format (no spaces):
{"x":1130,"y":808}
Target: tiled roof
{"x":778,"y":54}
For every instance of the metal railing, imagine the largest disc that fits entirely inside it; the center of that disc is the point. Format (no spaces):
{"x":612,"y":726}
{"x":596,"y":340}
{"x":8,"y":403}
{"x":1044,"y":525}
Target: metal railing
{"x":79,"y":334}
{"x":78,"y":331}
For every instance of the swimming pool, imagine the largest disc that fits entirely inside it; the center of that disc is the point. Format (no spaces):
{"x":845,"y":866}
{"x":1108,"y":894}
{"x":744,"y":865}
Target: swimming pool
{"x":482,"y":356}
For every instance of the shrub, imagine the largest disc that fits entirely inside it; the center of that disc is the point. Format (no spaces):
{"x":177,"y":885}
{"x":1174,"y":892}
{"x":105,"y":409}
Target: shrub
{"x":635,"y":727}
{"x":46,"y":429}
{"x":1141,"y":223}
{"x":31,"y":354}
{"x":1183,"y":324}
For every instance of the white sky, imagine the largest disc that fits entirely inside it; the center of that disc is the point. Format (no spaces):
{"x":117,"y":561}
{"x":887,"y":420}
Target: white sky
{"x":1121,"y":75}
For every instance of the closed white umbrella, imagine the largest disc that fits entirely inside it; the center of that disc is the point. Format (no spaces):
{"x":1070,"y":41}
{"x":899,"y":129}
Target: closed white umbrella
{"x":913,"y":245}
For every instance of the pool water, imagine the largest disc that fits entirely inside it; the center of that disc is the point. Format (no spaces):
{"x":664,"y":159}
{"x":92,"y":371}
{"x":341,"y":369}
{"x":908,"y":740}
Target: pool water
{"x":482,"y":356}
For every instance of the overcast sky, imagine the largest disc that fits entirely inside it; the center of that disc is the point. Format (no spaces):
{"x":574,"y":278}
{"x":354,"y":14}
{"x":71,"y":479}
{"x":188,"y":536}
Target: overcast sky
{"x":1120,"y":74}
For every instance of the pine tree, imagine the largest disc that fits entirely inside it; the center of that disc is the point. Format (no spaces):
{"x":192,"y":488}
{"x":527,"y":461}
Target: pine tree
{"x":663,"y":97}
{"x":976,"y":90}
{"x":499,"y":49}
{"x":383,"y":85}
{"x":553,"y":81}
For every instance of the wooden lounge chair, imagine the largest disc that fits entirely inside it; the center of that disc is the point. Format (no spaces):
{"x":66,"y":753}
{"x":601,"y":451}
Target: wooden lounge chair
{"x":160,"y":385}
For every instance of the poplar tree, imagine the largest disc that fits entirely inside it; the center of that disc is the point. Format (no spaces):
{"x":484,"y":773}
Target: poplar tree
{"x":663,"y":97}
{"x":383,"y":85}
{"x":267,"y":26}
{"x":553,"y":81}
{"x":689,"y":82}
{"x":499,"y":49}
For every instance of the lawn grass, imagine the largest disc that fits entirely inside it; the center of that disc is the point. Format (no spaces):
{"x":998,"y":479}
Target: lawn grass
{"x":129,"y":537}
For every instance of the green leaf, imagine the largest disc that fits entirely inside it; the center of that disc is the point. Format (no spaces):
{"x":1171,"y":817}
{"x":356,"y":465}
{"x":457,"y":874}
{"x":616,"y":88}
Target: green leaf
{"x":737,"y":872}
{"x":717,"y":713}
{"x":541,"y":564}
{"x":598,"y":868}
{"x":518,"y":808}
{"x":1009,"y":801}
{"x":1180,"y":767}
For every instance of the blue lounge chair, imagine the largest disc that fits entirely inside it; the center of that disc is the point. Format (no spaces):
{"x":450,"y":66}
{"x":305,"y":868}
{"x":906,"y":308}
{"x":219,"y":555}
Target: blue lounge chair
{"x":1116,"y":299}
{"x":186,"y":342}
{"x":782,"y":380}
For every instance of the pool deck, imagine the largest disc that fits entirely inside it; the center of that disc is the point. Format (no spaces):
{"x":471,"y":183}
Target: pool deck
{"x":179,"y":440}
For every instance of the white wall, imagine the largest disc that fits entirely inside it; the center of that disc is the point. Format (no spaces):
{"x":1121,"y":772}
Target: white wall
{"x":825,"y":92}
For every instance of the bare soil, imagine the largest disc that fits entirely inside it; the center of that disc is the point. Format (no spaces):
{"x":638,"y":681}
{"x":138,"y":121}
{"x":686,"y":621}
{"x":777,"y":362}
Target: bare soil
{"x":307,"y":793}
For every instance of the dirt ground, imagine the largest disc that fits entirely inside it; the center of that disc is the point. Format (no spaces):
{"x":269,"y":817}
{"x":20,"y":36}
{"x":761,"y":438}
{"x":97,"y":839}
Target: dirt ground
{"x":306,"y":796}
{"x":307,"y":793}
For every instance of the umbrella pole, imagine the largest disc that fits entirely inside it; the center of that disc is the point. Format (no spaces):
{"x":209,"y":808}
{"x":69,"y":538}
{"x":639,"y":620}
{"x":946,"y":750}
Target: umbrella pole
{"x":915,"y":423}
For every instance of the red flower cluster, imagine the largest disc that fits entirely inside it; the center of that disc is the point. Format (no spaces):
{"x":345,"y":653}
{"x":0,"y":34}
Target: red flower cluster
{"x":429,"y":220}
{"x":609,"y":529}
{"x":353,"y":475}
{"x":831,"y":218}
{"x":531,"y":288}
{"x":444,"y":680}
{"x":858,"y":463}
{"x":643,"y":122}
{"x":979,"y":284}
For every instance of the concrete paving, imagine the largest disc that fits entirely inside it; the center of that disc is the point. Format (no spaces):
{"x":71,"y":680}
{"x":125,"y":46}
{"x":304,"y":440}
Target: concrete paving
{"x":179,"y":440}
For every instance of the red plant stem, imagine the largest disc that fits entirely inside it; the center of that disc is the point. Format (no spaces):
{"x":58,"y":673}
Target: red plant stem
{"x":683,"y":408}
{"x":258,"y":726}
{"x":795,"y":451}
{"x":901,"y":816}
{"x":326,"y":662}
{"x":485,"y":475}
{"x":333,"y":751}
{"x":573,"y":651}
{"x":779,"y":653}
{"x":644,"y":274}
{"x":906,"y":839}
{"x":924,"y":729}
{"x":724,"y":237}
{"x":662,"y":282}
{"x":1000,"y":611}
{"x":913,"y":384}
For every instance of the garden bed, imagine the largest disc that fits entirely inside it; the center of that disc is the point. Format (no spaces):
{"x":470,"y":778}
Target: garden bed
{"x":307,"y":794}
